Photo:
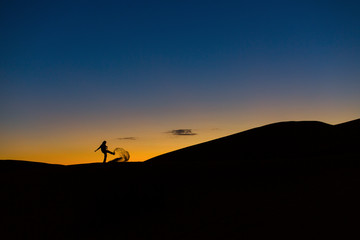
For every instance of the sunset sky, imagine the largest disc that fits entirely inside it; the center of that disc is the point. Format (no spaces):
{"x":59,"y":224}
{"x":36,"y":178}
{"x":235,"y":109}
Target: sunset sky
{"x":155,"y":76}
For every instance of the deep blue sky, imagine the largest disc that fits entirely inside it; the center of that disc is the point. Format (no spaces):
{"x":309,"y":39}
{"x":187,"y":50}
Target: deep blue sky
{"x":138,"y":68}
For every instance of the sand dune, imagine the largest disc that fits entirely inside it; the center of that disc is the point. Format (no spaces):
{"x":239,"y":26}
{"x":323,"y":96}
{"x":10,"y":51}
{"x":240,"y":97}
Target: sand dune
{"x":278,"y":141}
{"x":293,"y":180}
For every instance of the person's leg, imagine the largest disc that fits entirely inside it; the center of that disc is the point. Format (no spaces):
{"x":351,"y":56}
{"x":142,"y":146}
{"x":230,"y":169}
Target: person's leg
{"x":113,"y":153}
{"x":105,"y":155}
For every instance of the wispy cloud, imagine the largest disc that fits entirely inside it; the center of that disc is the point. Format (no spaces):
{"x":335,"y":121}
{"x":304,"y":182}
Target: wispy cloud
{"x":127,"y":138}
{"x":182,"y":132}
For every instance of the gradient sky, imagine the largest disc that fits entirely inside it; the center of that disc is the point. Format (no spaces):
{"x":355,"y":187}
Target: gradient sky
{"x":75,"y":73}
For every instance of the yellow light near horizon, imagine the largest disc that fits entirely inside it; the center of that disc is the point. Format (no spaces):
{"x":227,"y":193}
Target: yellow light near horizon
{"x":76,"y":145}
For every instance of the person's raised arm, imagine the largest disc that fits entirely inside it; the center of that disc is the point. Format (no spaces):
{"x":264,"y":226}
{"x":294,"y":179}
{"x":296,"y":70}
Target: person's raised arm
{"x":98,"y":148}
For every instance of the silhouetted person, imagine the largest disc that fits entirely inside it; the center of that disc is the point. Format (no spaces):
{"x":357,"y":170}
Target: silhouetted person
{"x":104,"y":150}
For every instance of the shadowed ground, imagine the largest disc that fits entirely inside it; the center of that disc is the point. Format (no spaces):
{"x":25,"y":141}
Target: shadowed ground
{"x":310,"y":194}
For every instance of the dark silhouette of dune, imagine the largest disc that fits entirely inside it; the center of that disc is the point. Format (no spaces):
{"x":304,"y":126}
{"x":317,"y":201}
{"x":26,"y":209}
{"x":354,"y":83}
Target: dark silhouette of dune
{"x":292,"y":180}
{"x":351,"y":125}
{"x":7,"y":165}
{"x":278,"y":141}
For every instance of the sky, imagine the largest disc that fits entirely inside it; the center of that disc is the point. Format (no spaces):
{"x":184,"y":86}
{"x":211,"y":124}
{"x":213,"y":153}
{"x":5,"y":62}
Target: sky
{"x":155,"y":76}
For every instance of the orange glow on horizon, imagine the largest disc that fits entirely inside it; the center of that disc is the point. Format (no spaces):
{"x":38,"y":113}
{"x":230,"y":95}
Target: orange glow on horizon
{"x":76,"y":148}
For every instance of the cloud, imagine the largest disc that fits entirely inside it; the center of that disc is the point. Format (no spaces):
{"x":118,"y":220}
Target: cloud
{"x":127,"y":138}
{"x":182,"y":132}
